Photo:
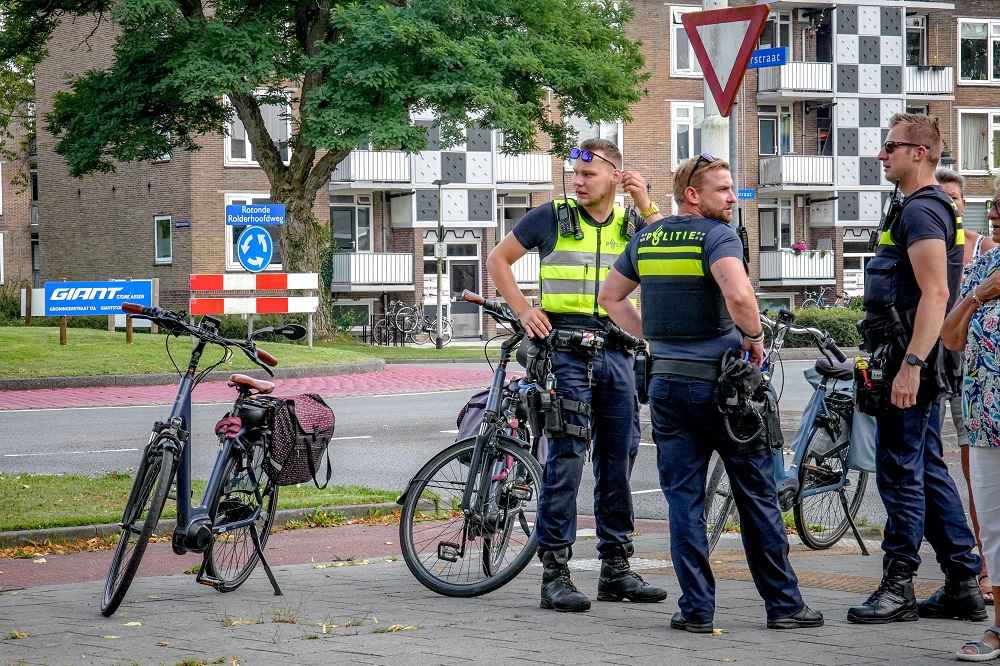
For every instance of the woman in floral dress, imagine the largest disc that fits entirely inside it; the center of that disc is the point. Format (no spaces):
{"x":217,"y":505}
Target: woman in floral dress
{"x":972,"y":325}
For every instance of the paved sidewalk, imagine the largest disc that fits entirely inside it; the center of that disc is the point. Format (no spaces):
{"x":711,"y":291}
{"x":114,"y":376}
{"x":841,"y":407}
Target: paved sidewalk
{"x":374,"y":612}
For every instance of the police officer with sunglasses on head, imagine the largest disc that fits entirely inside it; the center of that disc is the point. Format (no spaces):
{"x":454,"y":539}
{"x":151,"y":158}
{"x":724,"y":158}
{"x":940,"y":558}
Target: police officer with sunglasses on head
{"x":699,"y":308}
{"x":577,"y":242}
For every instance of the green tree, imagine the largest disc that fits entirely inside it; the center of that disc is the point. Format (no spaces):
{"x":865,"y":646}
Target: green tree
{"x":355,"y":70}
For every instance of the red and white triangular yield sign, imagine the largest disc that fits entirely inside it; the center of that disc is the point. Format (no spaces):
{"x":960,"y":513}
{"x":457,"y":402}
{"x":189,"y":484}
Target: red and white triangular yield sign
{"x":724,"y":41}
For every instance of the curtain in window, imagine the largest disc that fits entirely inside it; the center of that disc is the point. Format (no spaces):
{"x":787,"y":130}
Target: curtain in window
{"x":975,"y":142}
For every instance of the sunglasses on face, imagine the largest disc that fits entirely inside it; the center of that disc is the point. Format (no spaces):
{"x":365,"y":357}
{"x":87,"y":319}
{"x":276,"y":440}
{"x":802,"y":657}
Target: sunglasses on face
{"x":588,"y":156}
{"x":708,"y":159}
{"x":891,"y":146}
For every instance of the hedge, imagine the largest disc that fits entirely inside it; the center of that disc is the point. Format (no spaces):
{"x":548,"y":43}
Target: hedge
{"x":841,"y":323}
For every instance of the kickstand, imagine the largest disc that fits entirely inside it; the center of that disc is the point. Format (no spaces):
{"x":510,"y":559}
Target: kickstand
{"x":850,"y":521}
{"x":263,"y":560}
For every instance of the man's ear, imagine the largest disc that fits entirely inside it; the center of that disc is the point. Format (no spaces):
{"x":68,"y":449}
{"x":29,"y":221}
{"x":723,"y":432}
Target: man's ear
{"x":616,"y":176}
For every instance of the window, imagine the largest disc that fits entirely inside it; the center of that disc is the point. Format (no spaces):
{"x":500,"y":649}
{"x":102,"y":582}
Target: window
{"x":277,"y":119}
{"x":36,"y":262}
{"x":1,"y":258}
{"x":351,"y":222}
{"x":979,"y":50}
{"x":775,"y":129}
{"x":683,"y":61}
{"x":686,"y":122}
{"x":776,"y":223}
{"x":975,"y":216}
{"x":351,"y":315}
{"x":163,"y":242}
{"x":916,"y":40}
{"x":856,"y":256}
{"x":233,"y":233}
{"x":510,"y":209}
{"x":588,"y":130}
{"x":777,"y":32}
{"x":979,"y":137}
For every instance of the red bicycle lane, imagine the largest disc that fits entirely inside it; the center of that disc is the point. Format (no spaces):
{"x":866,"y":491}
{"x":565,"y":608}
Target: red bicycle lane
{"x":393,"y":380}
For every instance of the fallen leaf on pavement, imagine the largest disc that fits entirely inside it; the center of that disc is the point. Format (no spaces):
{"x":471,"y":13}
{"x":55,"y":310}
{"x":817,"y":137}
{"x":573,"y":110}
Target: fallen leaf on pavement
{"x":716,"y":632}
{"x":388,"y":543}
{"x":163,"y":643}
{"x":40,"y":560}
{"x":111,"y":638}
{"x":133,"y":624}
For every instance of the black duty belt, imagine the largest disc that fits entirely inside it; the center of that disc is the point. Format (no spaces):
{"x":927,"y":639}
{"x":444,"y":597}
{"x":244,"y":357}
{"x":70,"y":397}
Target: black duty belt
{"x":707,"y":370}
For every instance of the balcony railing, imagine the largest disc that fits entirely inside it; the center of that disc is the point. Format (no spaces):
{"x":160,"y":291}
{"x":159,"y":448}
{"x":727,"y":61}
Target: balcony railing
{"x":796,"y":170}
{"x":364,"y":271}
{"x":381,"y":166}
{"x":936,"y":80}
{"x":804,"y":77}
{"x":526,"y":270}
{"x":529,"y":168}
{"x":790,"y":267}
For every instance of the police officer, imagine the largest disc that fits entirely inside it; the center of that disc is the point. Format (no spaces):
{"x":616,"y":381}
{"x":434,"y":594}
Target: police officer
{"x":577,"y":242}
{"x":698,"y":304}
{"x":914,"y":279}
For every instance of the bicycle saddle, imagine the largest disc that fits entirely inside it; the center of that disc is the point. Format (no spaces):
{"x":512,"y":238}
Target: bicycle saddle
{"x":836,"y":369}
{"x":260,"y":385}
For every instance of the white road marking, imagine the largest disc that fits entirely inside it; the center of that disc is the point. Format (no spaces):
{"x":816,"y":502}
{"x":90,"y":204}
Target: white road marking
{"x":354,"y":437}
{"x":450,"y":432}
{"x":646,"y":492}
{"x":61,"y":453}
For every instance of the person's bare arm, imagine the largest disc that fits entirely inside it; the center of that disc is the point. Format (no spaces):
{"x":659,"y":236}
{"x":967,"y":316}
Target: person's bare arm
{"x":614,"y":299}
{"x":498,"y":264}
{"x":929,"y":259}
{"x":741,"y":301}
{"x":955,"y":332}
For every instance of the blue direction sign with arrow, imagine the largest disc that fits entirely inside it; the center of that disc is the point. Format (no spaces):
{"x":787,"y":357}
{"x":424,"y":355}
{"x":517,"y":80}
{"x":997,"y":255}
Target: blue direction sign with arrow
{"x":254,"y":249}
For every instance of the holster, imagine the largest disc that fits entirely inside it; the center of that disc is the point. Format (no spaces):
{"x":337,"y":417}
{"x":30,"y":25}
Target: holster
{"x":641,"y":366}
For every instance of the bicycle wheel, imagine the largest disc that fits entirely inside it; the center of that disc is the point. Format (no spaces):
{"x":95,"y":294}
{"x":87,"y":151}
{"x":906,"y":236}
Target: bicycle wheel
{"x":380,"y":333}
{"x":408,"y":321}
{"x":819,"y":519}
{"x":422,"y":335}
{"x":446,"y":331}
{"x":231,"y":556}
{"x":142,"y":513}
{"x":460,"y":556}
{"x":809,"y":303}
{"x":719,"y":504}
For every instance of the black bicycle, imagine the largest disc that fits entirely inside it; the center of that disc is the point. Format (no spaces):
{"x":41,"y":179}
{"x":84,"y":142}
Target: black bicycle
{"x":233,"y":522}
{"x":467,"y":524}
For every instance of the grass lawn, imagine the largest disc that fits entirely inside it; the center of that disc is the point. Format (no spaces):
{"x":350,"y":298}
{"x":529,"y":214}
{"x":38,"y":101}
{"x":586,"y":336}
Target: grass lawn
{"x":35,"y":352}
{"x":32,"y":501}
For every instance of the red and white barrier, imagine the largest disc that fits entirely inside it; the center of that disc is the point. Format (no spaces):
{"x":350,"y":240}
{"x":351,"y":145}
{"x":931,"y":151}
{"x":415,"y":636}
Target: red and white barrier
{"x":251,"y":282}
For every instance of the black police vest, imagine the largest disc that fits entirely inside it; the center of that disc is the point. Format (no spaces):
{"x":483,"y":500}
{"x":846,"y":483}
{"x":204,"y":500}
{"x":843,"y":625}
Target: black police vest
{"x":889,"y":277}
{"x":680,"y":299}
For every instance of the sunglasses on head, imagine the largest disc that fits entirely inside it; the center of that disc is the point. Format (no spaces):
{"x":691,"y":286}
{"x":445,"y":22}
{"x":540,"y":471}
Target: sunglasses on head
{"x":891,"y":146}
{"x":588,"y":156}
{"x":708,"y":159}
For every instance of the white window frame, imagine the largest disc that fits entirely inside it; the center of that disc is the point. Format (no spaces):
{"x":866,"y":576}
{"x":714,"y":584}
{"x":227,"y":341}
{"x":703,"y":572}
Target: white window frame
{"x":992,"y":139}
{"x":587,"y":130}
{"x":992,"y":35}
{"x":248,"y":161}
{"x":361,"y":201}
{"x":917,"y":24}
{"x":169,"y":259}
{"x":782,"y":204}
{"x":367,"y":302}
{"x":685,"y":118}
{"x":165,"y":157}
{"x":780,"y":19}
{"x":693,"y":72}
{"x":782,"y":112}
{"x":856,"y":237}
{"x":233,"y":262}
{"x":971,"y":203}
{"x":787,"y":296}
{"x":1,"y":259}
{"x":507,"y":200}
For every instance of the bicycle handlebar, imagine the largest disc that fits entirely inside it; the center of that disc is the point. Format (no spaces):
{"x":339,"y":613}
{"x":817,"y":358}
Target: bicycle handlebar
{"x":824,"y":341}
{"x":498,"y":310}
{"x":174,"y":321}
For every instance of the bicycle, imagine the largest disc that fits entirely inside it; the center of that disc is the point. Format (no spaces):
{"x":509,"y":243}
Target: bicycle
{"x":822,"y":492}
{"x":467,"y":522}
{"x":239,"y":499}
{"x":818,"y":299}
{"x":427,"y":330}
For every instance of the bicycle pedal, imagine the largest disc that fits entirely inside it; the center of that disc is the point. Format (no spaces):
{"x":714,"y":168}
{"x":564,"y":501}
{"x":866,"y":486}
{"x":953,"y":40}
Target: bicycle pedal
{"x":448,"y":551}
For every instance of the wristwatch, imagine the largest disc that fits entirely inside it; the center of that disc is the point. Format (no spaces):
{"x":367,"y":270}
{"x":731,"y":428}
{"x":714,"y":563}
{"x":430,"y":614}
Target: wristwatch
{"x":913,"y":360}
{"x":649,"y":212}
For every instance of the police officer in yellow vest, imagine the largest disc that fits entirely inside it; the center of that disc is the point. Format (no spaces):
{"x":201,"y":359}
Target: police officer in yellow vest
{"x":577,"y":242}
{"x":697,"y":307}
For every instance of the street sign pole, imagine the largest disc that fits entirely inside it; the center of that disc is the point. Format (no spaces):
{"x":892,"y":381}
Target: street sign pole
{"x":714,"y":128}
{"x":438,"y":343}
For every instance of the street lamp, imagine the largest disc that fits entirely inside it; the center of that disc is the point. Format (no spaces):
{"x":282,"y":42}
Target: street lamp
{"x":440,"y":251}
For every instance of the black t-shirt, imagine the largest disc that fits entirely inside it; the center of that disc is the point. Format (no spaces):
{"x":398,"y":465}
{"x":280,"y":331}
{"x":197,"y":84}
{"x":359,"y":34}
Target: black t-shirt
{"x":538,"y":230}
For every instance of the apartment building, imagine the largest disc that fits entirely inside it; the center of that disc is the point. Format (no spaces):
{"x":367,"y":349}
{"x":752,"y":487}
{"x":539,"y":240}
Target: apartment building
{"x":810,"y":131}
{"x":18,"y":218}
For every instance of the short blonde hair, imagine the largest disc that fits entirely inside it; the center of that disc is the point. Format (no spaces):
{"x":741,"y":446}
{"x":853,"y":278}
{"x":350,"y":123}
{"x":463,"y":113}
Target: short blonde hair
{"x":608,"y":149}
{"x":923,"y":130}
{"x":683,"y":175}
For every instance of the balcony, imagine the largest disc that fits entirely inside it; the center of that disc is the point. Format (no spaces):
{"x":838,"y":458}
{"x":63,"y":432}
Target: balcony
{"x":929,"y":80}
{"x":787,"y":267}
{"x":373,"y":166}
{"x":796,"y":172}
{"x":526,"y":270}
{"x":796,"y":80}
{"x":372,"y":271}
{"x":532,"y":168}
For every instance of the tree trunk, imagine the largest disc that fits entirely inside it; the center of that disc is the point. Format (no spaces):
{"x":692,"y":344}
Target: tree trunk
{"x":304,"y":241}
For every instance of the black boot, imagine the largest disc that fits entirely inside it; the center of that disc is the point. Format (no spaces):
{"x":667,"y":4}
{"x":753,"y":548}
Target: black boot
{"x":893,"y":601}
{"x":958,"y":598}
{"x":618,"y":581}
{"x":558,"y":590}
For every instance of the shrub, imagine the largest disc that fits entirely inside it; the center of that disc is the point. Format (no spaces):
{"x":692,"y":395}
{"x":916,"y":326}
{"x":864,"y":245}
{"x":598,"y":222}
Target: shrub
{"x":841,"y":323}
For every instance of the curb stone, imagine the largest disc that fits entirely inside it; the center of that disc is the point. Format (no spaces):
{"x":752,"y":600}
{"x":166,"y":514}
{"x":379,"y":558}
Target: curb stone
{"x":58,"y":535}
